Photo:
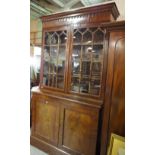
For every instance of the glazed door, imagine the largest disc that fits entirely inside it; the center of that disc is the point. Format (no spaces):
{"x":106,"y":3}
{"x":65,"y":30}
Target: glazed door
{"x":87,"y":61}
{"x":45,"y":123}
{"x":54,"y":59}
{"x":78,"y":130}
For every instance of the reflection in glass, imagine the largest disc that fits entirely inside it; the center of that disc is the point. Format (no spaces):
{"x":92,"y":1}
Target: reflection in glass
{"x":53,"y":66}
{"x":52,"y":80}
{"x":87,"y":37}
{"x":54,"y":59}
{"x":85,"y":68}
{"x":86,"y":53}
{"x":87,"y":60}
{"x":46,"y":54}
{"x":76,"y":52}
{"x":98,"y":49}
{"x":61,"y":67}
{"x":75,"y":84}
{"x":75,"y":67}
{"x":84,"y":86}
{"x":77,"y":37}
{"x":47,"y":38}
{"x":96,"y":68}
{"x":95,"y":87}
{"x":61,"y":61}
{"x":60,"y":81}
{"x":63,"y":38}
{"x":51,"y":38}
{"x":53,"y":51}
{"x":98,"y":36}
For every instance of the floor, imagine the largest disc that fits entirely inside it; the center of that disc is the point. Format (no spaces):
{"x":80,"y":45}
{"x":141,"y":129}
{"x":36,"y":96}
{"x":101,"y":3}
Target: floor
{"x":35,"y":151}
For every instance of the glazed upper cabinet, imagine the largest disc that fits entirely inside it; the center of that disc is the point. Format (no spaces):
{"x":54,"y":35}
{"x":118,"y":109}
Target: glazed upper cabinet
{"x":70,"y":100}
{"x":73,"y":50}
{"x":54,"y":59}
{"x":87,"y":60}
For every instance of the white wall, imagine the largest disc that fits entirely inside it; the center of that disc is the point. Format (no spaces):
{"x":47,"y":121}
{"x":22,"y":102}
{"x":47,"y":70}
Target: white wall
{"x":121,"y":7}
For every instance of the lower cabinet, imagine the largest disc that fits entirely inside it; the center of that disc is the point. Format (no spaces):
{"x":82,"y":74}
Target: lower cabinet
{"x":45,"y":119}
{"x":62,"y":127}
{"x":78,"y":129}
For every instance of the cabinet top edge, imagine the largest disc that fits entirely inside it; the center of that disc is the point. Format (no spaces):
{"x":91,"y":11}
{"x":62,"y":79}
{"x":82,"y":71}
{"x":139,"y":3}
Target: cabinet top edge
{"x":114,"y":24}
{"x":87,"y":102}
{"x":101,"y":7}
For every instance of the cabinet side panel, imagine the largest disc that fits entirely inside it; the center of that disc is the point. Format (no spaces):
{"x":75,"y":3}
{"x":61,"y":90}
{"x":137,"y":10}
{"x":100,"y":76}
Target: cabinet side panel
{"x":117,"y":113}
{"x":114,"y":106}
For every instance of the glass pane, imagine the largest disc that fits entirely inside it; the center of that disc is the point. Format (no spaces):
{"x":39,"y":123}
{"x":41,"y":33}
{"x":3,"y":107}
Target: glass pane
{"x":53,"y":60}
{"x":60,"y":82}
{"x":61,"y":67}
{"x":45,"y":79}
{"x":62,"y":53}
{"x":85,"y":68}
{"x":53,"y":66}
{"x":54,"y":38}
{"x":47,"y":38}
{"x":53,"y":52}
{"x":52,"y":80}
{"x":54,"y":57}
{"x":63,"y":38}
{"x":87,"y":60}
{"x":46,"y":53}
{"x":75,"y":84}
{"x":96,"y":69}
{"x":98,"y":36}
{"x":77,"y":37}
{"x":97,"y":53}
{"x":61,"y":61}
{"x":46,"y":68}
{"x":51,"y":38}
{"x":83,"y":30}
{"x":87,"y":37}
{"x":95,"y":87}
{"x":86,"y":53}
{"x":84,"y":86}
{"x":76,"y":59}
{"x":75,"y":68}
{"x":76,"y":52}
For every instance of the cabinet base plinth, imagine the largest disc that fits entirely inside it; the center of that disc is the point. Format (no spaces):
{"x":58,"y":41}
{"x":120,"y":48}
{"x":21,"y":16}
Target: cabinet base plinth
{"x":49,"y":149}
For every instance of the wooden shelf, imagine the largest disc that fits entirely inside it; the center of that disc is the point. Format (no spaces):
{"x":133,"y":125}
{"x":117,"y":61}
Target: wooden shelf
{"x":54,"y":45}
{"x":90,"y":44}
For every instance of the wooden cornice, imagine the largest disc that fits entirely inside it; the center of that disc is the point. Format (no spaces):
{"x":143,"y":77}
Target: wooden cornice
{"x":97,"y":9}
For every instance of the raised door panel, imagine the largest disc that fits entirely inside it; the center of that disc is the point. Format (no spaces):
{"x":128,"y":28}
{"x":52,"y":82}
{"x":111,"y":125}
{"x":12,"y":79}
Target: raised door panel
{"x":46,"y":120}
{"x":79,"y":130}
{"x":114,"y":106}
{"x":117,"y":113}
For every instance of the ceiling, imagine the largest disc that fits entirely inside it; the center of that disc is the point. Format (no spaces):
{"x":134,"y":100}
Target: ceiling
{"x":40,"y":8}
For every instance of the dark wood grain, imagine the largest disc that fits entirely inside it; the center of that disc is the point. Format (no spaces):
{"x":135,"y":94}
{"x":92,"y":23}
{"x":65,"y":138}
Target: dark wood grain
{"x":117,"y":113}
{"x":114,"y":106}
{"x":45,"y":119}
{"x":75,"y":122}
{"x":99,"y":13}
{"x":69,"y":123}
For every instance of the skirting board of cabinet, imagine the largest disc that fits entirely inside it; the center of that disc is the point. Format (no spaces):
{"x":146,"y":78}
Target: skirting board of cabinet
{"x":50,"y":149}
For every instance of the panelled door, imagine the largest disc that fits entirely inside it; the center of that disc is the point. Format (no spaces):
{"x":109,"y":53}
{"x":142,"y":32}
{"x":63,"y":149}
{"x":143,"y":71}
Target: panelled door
{"x":45,"y":119}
